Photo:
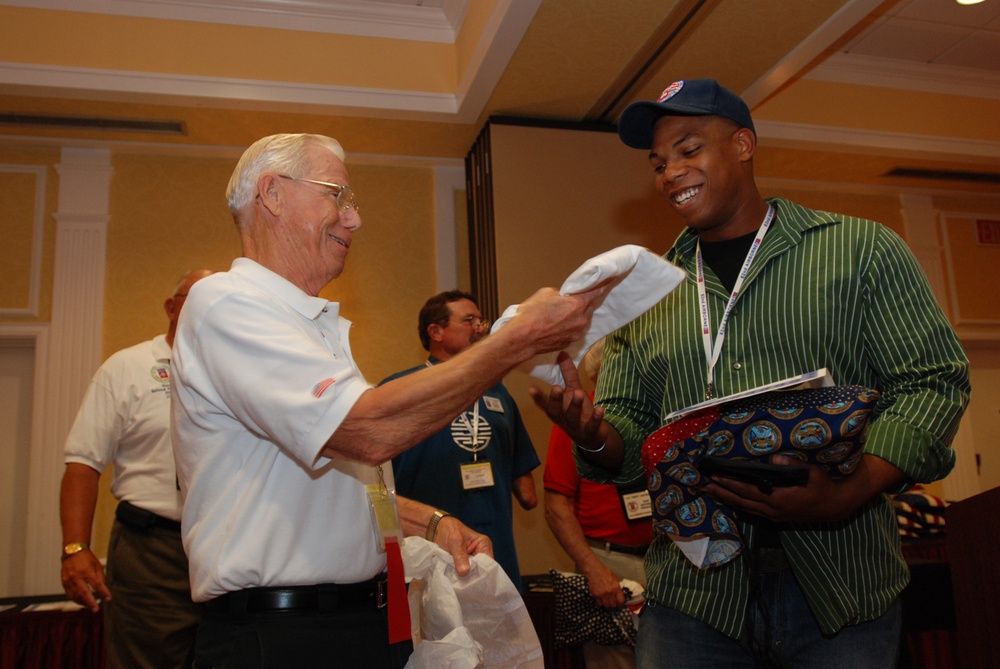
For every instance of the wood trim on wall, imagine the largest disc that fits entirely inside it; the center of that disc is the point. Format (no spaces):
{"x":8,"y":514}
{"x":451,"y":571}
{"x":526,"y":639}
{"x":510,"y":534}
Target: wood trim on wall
{"x":482,"y":238}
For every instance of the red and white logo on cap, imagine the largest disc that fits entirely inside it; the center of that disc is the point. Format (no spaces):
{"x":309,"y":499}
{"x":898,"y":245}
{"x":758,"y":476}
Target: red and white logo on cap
{"x":670,"y":91}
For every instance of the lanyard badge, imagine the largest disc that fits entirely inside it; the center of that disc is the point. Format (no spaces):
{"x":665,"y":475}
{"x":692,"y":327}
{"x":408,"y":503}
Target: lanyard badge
{"x":384,"y":512}
{"x":713,"y":351}
{"x":477,"y":474}
{"x":385,"y":518}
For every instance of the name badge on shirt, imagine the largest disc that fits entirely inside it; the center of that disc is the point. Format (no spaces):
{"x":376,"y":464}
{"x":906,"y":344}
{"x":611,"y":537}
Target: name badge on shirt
{"x":637,"y":504}
{"x":477,"y":475}
{"x":493,"y":403}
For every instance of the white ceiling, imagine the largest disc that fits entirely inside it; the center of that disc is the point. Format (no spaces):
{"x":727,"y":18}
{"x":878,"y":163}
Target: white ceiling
{"x":563,"y":60}
{"x":930,"y":45}
{"x":935,"y":32}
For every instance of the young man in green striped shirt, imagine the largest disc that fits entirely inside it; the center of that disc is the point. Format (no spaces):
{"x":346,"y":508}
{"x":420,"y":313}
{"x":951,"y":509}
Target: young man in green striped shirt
{"x":793,"y":290}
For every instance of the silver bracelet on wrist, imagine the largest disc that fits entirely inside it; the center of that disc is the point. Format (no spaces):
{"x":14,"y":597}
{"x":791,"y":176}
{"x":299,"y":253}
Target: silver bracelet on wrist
{"x":593,"y":450}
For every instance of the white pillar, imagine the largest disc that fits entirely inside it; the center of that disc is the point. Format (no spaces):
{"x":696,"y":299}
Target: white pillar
{"x":72,"y":352}
{"x":447,"y":180}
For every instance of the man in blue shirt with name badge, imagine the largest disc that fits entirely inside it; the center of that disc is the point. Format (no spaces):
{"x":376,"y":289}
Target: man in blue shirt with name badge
{"x":471,"y":468}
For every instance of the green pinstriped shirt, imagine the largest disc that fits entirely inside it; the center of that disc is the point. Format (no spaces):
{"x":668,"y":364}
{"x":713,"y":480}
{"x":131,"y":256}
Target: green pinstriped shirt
{"x":825,"y":290}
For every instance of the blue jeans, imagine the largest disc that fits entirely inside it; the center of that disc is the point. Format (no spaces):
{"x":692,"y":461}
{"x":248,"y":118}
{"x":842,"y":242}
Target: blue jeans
{"x":668,"y":638}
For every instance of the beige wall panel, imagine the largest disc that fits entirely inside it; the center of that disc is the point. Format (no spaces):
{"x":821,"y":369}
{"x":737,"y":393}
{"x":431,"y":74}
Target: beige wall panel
{"x":982,"y":414}
{"x":974,"y":286}
{"x":970,"y":202}
{"x":562,"y":196}
{"x":391,"y":270}
{"x":17,"y":218}
{"x":973,"y":291}
{"x":16,"y":207}
{"x":168,"y":216}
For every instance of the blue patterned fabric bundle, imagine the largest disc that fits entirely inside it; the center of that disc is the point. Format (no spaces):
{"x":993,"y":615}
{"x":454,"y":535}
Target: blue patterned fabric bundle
{"x":823,"y":426}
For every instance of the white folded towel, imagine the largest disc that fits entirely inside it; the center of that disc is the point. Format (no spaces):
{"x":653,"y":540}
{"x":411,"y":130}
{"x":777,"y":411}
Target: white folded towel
{"x":640,"y":279}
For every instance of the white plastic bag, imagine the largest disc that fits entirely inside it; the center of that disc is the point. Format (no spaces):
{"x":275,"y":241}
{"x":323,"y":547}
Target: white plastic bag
{"x":478,"y":620}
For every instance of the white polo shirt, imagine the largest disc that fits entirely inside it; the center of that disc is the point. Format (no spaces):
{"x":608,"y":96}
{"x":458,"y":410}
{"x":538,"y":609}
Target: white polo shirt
{"x":125,"y":419}
{"x":263,"y":375}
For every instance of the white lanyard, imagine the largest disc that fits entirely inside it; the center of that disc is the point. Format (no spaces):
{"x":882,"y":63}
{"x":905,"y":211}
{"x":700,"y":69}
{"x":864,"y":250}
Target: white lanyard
{"x":474,"y":429}
{"x":712,"y":352}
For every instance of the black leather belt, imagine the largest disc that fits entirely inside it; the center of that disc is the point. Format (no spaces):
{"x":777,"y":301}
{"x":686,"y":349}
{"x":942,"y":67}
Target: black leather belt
{"x":140,"y":519}
{"x":324,"y":597}
{"x":618,"y":548}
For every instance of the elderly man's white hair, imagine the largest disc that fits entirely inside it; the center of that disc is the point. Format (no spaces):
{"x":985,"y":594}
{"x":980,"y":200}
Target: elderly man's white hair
{"x":282,"y":153}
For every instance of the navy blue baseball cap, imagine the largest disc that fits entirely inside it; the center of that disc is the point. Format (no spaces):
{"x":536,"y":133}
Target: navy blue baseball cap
{"x":690,"y":97}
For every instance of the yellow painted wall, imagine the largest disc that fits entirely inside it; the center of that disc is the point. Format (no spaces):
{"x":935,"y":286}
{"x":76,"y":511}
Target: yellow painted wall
{"x":391,"y":269}
{"x":17,"y":206}
{"x":561,"y":196}
{"x":168,"y":215}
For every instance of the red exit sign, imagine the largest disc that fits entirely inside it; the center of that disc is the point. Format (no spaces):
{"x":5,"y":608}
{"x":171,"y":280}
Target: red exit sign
{"x":989,"y":232}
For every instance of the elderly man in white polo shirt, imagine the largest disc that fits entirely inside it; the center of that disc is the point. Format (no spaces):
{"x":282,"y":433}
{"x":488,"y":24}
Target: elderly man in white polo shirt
{"x":281,"y":444}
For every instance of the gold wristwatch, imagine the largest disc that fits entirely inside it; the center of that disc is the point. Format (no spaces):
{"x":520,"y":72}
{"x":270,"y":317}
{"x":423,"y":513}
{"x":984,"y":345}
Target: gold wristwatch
{"x":432,"y":526}
{"x":73,"y":549}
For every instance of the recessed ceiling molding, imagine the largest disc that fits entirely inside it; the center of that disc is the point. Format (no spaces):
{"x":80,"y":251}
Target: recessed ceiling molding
{"x":504,"y":31}
{"x":905,"y":75}
{"x":843,"y":20}
{"x":876,"y":139}
{"x":492,"y":52}
{"x":233,"y":153}
{"x":343,"y":17}
{"x":225,"y":92}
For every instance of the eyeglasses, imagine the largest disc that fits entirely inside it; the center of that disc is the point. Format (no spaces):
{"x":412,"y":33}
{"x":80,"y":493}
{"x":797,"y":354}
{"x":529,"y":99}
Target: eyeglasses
{"x":342,"y":194}
{"x":474,"y":322}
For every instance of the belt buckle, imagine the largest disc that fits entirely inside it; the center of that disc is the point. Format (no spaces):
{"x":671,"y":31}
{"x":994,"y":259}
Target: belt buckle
{"x":382,"y":593}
